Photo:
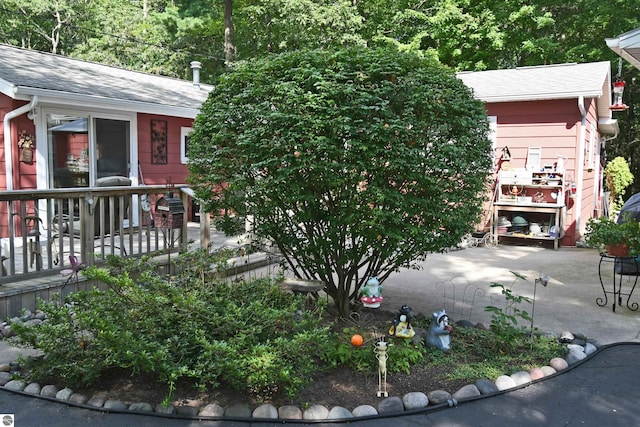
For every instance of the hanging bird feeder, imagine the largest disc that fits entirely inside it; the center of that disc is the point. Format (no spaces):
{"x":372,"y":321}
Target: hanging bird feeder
{"x":618,"y":90}
{"x":618,"y":104}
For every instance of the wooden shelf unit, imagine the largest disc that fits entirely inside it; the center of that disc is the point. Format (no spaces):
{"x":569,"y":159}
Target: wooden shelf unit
{"x":537,"y":196}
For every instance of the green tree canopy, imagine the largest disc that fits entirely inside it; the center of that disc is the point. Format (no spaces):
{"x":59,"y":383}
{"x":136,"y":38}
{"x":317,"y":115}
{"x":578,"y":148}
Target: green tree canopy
{"x":354,"y":163}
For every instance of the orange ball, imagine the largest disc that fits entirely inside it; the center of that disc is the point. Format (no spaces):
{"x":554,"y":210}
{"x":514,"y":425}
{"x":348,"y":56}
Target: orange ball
{"x":357,"y":340}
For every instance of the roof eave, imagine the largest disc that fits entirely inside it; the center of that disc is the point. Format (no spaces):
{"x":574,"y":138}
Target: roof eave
{"x":8,"y":88}
{"x":88,"y":101}
{"x":624,"y":42}
{"x":538,"y":97}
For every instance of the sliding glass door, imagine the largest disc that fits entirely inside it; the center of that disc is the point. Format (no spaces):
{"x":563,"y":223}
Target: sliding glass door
{"x":83,"y":149}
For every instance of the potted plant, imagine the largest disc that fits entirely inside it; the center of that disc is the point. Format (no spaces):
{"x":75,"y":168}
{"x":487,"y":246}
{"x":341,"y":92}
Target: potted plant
{"x":616,"y":238}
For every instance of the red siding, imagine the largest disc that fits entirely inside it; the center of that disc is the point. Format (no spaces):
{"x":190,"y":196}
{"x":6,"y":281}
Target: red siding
{"x":21,"y":171}
{"x":24,"y":175}
{"x":173,"y":172}
{"x":555,"y":127}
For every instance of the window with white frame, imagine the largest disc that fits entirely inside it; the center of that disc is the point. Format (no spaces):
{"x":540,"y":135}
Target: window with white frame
{"x":184,"y":143}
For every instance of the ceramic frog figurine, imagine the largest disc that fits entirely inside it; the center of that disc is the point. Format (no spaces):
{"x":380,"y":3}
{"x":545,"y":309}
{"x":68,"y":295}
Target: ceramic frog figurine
{"x":371,"y":293}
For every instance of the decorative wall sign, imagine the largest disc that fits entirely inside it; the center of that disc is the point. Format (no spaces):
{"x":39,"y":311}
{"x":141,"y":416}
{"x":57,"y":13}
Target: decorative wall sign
{"x":26,"y":143}
{"x":159,"y":142}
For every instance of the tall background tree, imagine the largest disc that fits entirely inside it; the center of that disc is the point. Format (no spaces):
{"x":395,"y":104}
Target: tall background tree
{"x":164,"y":36}
{"x":353,"y":162}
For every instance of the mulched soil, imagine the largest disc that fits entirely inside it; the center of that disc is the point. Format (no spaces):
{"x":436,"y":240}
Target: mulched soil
{"x":340,"y":387}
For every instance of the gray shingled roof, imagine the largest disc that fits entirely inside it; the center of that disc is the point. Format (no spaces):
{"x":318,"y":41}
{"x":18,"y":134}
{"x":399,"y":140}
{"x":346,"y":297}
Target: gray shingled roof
{"x":562,"y":81}
{"x":27,"y":72}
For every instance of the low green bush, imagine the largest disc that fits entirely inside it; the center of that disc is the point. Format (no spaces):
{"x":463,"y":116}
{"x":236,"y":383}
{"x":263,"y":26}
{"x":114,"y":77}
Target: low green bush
{"x":250,"y":335}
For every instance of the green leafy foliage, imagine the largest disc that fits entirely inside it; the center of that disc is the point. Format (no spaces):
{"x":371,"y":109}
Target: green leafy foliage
{"x":354,"y":163}
{"x":504,"y":321}
{"x":339,"y":352}
{"x":617,"y":178}
{"x":250,"y":335}
{"x":274,"y":26}
{"x":477,"y":353}
{"x":229,"y":225}
{"x":247,"y":335}
{"x":602,"y":232}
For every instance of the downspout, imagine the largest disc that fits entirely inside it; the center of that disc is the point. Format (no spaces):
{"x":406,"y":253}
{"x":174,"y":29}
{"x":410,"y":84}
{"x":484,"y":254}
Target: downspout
{"x":580,"y":167}
{"x":8,"y":152}
{"x":600,"y":178}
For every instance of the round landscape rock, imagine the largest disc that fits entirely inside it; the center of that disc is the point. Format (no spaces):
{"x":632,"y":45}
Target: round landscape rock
{"x":49,"y":391}
{"x":315,"y":412}
{"x":567,"y":337}
{"x":115,"y":405}
{"x":290,"y":412}
{"x":211,"y":410}
{"x":536,"y":374}
{"x":415,"y":400}
{"x":364,"y":411}
{"x":437,"y":397}
{"x":390,"y":404}
{"x":5,"y":377}
{"x":485,"y":386}
{"x":548,"y":370}
{"x":466,"y":392}
{"x":575,"y":355}
{"x":165,"y":409}
{"x":97,"y":401}
{"x":15,"y":385}
{"x":141,"y":407}
{"x":521,"y":377}
{"x":339,"y":412}
{"x":559,"y":364}
{"x":33,"y":388}
{"x":266,"y":410}
{"x":505,"y":382}
{"x":589,"y":349}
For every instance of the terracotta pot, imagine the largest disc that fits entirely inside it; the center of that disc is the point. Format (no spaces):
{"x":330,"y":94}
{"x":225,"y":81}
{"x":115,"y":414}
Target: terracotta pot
{"x":618,"y":250}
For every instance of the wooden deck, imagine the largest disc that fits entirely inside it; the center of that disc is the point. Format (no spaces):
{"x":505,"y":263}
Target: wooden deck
{"x":24,"y":294}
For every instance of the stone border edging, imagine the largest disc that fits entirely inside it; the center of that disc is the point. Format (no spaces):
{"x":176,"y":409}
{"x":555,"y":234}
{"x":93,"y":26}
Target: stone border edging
{"x":578,"y":349}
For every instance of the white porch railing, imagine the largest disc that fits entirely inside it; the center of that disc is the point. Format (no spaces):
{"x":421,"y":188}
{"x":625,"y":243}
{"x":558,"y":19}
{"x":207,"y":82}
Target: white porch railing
{"x":40,"y":229}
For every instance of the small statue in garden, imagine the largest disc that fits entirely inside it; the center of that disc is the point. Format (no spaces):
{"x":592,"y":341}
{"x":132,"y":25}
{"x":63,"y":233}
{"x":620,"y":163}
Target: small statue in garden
{"x":439,"y":332}
{"x":402,"y":324}
{"x":380,"y":349}
{"x":371,"y":293}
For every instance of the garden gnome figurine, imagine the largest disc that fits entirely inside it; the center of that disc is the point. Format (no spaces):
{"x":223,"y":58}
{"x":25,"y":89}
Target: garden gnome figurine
{"x":439,"y":332}
{"x":380,"y":349}
{"x":371,"y":293}
{"x":402,"y":324}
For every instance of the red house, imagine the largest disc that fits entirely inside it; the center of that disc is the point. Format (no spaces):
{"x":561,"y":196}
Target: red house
{"x":88,"y":120}
{"x":550,"y":124}
{"x":67,"y":123}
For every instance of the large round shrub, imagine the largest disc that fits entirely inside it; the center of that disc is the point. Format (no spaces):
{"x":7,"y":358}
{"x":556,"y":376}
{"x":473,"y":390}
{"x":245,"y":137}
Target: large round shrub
{"x":354,"y":163}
